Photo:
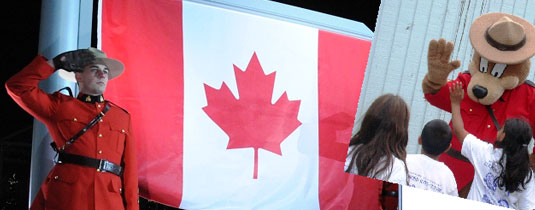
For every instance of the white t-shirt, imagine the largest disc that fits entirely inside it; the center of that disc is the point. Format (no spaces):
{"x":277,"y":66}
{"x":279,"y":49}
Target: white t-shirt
{"x":429,"y":174}
{"x":484,"y":188}
{"x":398,"y":174}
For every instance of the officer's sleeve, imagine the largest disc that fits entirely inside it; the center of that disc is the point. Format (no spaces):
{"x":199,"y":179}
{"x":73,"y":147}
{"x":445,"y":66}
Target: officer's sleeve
{"x":23,"y":88}
{"x":130,"y":178}
{"x":441,"y":99}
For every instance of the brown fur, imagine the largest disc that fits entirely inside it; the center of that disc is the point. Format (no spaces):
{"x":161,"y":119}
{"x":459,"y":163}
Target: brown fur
{"x":513,"y":76}
{"x":428,"y":86}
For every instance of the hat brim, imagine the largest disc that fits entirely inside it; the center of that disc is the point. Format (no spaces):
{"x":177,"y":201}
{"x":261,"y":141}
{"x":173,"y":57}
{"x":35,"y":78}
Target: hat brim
{"x":115,"y":68}
{"x":483,"y":48}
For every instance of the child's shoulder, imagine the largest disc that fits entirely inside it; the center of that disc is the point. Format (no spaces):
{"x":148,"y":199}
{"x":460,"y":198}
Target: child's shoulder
{"x":419,"y":158}
{"x":474,"y":141}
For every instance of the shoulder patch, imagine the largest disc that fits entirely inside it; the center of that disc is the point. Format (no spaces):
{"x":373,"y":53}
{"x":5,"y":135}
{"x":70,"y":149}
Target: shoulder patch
{"x":530,"y":83}
{"x":117,"y":106}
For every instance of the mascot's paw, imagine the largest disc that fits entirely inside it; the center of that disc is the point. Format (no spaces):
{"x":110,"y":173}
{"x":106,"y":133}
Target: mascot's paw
{"x":439,"y":65}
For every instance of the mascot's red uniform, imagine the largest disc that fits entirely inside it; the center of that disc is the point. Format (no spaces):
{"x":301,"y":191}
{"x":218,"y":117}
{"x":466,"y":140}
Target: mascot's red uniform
{"x":495,"y":83}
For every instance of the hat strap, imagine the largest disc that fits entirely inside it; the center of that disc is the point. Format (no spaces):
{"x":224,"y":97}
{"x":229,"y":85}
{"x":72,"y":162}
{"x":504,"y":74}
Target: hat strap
{"x":504,"y":47}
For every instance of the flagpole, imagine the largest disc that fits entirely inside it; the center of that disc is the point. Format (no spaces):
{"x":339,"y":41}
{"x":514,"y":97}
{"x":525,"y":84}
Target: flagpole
{"x":65,"y":25}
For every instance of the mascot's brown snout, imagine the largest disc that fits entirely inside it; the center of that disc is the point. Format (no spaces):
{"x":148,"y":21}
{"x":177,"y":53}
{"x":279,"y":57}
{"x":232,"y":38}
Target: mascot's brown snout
{"x":490,"y":79}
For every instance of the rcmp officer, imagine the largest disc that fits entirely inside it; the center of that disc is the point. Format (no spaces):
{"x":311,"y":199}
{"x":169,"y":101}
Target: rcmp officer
{"x":97,"y":165}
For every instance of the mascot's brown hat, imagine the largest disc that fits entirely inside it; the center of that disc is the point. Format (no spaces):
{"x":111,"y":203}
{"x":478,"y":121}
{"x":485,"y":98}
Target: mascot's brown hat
{"x":503,"y":38}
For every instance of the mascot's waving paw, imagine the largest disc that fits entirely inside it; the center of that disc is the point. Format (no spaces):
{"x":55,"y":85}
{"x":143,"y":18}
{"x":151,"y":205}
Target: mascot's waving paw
{"x":439,"y":66}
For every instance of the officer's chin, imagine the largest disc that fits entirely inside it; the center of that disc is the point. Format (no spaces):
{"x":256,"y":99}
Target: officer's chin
{"x":100,"y":89}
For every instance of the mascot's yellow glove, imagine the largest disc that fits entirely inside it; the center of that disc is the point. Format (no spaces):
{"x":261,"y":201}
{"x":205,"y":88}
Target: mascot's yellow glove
{"x":438,"y":65}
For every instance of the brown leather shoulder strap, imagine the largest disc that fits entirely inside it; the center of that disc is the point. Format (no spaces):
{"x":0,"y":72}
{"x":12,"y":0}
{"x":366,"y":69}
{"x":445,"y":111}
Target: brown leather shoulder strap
{"x":81,"y":132}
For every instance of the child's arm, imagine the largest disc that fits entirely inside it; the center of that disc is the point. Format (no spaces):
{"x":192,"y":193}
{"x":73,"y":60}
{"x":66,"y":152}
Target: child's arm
{"x":456,"y":96}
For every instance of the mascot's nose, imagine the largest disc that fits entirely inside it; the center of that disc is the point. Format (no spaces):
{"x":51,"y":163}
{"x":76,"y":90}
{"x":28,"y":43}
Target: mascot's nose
{"x":479,"y":91}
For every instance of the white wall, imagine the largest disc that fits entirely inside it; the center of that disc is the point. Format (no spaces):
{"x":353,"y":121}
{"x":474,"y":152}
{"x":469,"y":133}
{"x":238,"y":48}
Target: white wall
{"x":398,"y":56}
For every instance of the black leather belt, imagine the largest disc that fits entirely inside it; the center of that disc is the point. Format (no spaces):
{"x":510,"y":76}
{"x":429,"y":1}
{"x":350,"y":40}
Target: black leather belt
{"x":101,"y":165}
{"x":457,"y":155}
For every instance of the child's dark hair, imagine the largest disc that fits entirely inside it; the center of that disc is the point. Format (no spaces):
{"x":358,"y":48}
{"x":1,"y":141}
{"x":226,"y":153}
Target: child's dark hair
{"x":436,"y":137}
{"x":514,"y":161}
{"x":383,"y":134}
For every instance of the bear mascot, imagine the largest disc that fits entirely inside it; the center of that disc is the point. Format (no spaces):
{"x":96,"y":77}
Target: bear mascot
{"x":495,"y":83}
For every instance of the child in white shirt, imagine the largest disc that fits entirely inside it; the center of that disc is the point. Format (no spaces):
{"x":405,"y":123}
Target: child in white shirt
{"x":425,"y":171}
{"x":502,"y":173}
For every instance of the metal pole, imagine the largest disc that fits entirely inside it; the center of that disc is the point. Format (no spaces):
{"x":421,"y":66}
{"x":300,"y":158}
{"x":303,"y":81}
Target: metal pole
{"x":65,"y":25}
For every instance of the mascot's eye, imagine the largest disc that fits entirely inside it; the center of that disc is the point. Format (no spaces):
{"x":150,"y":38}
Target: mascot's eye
{"x":498,"y":70}
{"x":483,"y":65}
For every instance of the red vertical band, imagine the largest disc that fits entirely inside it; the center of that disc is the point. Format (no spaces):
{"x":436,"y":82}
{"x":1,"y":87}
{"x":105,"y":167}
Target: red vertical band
{"x":147,"y":37}
{"x":341,"y":66}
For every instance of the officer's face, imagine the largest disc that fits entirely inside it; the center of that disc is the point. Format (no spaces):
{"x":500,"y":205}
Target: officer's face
{"x":93,"y":79}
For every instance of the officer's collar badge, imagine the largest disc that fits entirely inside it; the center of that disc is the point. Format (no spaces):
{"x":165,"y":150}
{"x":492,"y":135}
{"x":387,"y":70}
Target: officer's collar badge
{"x":90,"y":98}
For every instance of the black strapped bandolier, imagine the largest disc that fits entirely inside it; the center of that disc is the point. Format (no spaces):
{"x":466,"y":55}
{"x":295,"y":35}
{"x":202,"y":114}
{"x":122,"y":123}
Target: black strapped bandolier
{"x":102,"y":165}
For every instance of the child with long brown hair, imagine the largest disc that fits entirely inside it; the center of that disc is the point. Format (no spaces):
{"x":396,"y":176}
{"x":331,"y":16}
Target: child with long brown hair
{"x":502,"y":174}
{"x":377,"y":150}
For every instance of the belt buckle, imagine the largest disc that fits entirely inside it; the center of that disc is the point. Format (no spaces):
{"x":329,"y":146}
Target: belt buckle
{"x":102,"y":165}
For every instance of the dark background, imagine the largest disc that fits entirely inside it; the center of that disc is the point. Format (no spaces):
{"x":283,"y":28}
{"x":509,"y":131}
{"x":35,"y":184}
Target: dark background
{"x":20,"y":29}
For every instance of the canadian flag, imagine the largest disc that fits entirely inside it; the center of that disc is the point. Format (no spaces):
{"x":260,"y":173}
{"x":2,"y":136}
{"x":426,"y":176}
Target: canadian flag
{"x":237,"y":111}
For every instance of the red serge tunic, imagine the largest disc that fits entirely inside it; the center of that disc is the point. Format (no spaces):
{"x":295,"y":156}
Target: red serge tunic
{"x":70,"y":186}
{"x":516,"y":103}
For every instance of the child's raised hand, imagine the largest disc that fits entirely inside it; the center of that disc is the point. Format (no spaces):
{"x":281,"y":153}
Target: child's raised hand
{"x":456,"y":93}
{"x":456,"y":96}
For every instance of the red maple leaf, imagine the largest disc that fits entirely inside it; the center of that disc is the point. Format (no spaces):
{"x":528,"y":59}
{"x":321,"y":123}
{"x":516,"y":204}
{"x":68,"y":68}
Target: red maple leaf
{"x":251,"y":120}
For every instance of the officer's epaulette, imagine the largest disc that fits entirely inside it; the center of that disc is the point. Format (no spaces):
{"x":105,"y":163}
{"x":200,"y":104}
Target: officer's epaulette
{"x":530,"y":83}
{"x":466,"y":72}
{"x":118,"y":106}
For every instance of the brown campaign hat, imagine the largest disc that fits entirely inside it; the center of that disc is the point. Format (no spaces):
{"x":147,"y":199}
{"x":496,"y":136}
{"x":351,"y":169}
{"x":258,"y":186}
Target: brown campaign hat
{"x":115,"y":67}
{"x":503,"y":38}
